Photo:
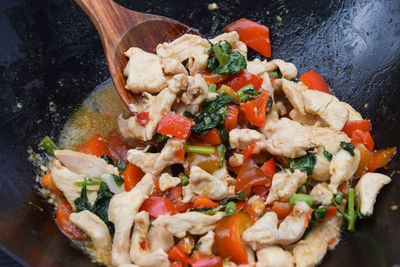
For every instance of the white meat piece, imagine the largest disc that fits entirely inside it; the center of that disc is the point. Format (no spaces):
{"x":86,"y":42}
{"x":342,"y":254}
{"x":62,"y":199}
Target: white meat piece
{"x":187,"y":194}
{"x":156,"y":106}
{"x":327,"y":107}
{"x":172,"y":66}
{"x":188,"y":47}
{"x":274,"y":256}
{"x":306,"y":119}
{"x":128,"y":265}
{"x":256,"y":203}
{"x":293,"y":92}
{"x":65,"y":180}
{"x":266,"y":84}
{"x":293,"y":226}
{"x":167,"y":181}
{"x":233,"y":40}
{"x":368,"y":187}
{"x":144,"y":72}
{"x":242,"y":138}
{"x":236,"y":160}
{"x":85,"y":164}
{"x":206,"y":243}
{"x":310,"y":251}
{"x":229,"y":264}
{"x":353,"y":114}
{"x":159,"y":237}
{"x":285,"y":184}
{"x":342,"y":167}
{"x":287,"y":138}
{"x":122,"y":211}
{"x":144,"y":256}
{"x":329,"y":138}
{"x":207,"y":185}
{"x":281,"y":107}
{"x":321,"y":167}
{"x":98,"y":232}
{"x":251,"y":257}
{"x":196,"y":223}
{"x":321,"y":194}
{"x":287,"y":69}
{"x":196,"y":91}
{"x":154,"y":163}
{"x":256,"y":66}
{"x":263,"y":232}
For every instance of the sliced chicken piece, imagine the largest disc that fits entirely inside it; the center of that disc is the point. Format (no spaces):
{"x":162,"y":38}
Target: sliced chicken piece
{"x":236,"y":160}
{"x":85,"y":164}
{"x":321,"y":194}
{"x":242,"y":138}
{"x":327,"y":107}
{"x":188,"y":47}
{"x":122,"y":211}
{"x":156,"y":106}
{"x":187,"y":194}
{"x":310,"y":251}
{"x":65,"y":180}
{"x":321,"y":167}
{"x":196,"y":91}
{"x":167,"y":181}
{"x":196,"y":223}
{"x":353,"y":114}
{"x":293,"y":92}
{"x":285,"y":184}
{"x":263,"y":232}
{"x":281,"y":108}
{"x":143,"y":256}
{"x":98,"y":232}
{"x":274,"y":256}
{"x":287,"y":138}
{"x":172,"y":66}
{"x":293,"y":226}
{"x":205,"y":184}
{"x":160,"y":238}
{"x":154,"y":163}
{"x":287,"y":69}
{"x":233,"y":39}
{"x":306,"y":119}
{"x":144,"y":72}
{"x":256,"y":203}
{"x":266,"y":84}
{"x":342,"y":167}
{"x":329,"y":138}
{"x":251,"y":256}
{"x":256,"y":66}
{"x":206,"y":243}
{"x":368,"y":187}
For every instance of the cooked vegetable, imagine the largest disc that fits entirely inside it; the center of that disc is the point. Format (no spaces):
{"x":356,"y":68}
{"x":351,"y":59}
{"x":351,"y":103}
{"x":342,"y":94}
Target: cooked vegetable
{"x":118,"y":164}
{"x":231,"y":119}
{"x":364,"y":160}
{"x":48,"y":145}
{"x":203,"y":202}
{"x":82,"y":202}
{"x":177,"y":254}
{"x":157,"y":206}
{"x":199,"y":149}
{"x":206,"y":261}
{"x":209,"y":211}
{"x":96,"y":146}
{"x":62,"y":217}
{"x":365,"y":138}
{"x":247,"y":92}
{"x":100,"y":206}
{"x":349,"y":147}
{"x":254,"y":110}
{"x":230,"y":208}
{"x":221,"y":153}
{"x":212,"y":88}
{"x":184,"y":179}
{"x":380,"y":158}
{"x":352,"y":126}
{"x":269,"y":167}
{"x":131,"y":176}
{"x":223,"y":60}
{"x":30,"y":203}
{"x":175,"y":125}
{"x":239,"y":197}
{"x":327,"y":155}
{"x":229,"y":91}
{"x":350,"y":215}
{"x":300,"y":197}
{"x":305,"y":163}
{"x":250,"y":175}
{"x":249,"y":151}
{"x":315,"y":81}
{"x":242,"y":79}
{"x":212,"y":137}
{"x":211,"y":78}
{"x":282,"y":209}
{"x":252,"y":34}
{"x":142,"y":118}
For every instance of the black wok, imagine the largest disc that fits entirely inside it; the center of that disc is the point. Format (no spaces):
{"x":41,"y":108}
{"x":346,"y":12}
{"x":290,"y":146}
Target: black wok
{"x":50,"y":54}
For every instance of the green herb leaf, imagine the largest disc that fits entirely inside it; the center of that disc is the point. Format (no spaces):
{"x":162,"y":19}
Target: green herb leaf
{"x":349,"y":147}
{"x":90,"y":181}
{"x":222,"y":60}
{"x":48,"y":145}
{"x":118,"y":179}
{"x":223,"y":133}
{"x":107,"y":159}
{"x":199,"y":149}
{"x":187,"y":114}
{"x":300,"y":197}
{"x":221,"y":154}
{"x":274,"y":74}
{"x":327,"y":155}
{"x":305,"y":163}
{"x":338,"y":197}
{"x":212,"y":88}
{"x":230,"y":208}
{"x":184,"y":179}
{"x":100,"y":206}
{"x":247,"y":92}
{"x":226,"y":260}
{"x":240,"y":197}
{"x":82,"y":202}
{"x":207,"y":211}
{"x":118,"y":164}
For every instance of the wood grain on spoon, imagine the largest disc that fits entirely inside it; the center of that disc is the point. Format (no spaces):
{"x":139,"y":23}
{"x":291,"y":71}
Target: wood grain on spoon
{"x":120,"y":28}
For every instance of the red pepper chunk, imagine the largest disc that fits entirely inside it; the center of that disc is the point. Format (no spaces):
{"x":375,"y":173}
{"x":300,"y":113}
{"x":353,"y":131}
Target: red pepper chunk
{"x":175,"y":125}
{"x":252,"y":34}
{"x":232,"y":117}
{"x":315,"y":81}
{"x":250,"y":150}
{"x":250,"y":175}
{"x":365,"y":138}
{"x":96,"y":146}
{"x":132,"y":175}
{"x":176,"y":254}
{"x":157,"y":206}
{"x":143,"y":118}
{"x":243,"y":78}
{"x":351,"y":126}
{"x":254,"y":110}
{"x":269,"y":167}
{"x":206,"y":261}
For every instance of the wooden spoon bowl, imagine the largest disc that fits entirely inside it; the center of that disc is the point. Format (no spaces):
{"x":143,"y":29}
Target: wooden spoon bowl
{"x":120,"y":28}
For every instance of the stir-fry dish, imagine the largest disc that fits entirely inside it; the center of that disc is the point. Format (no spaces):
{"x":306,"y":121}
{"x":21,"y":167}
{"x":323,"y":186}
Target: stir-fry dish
{"x":222,"y":161}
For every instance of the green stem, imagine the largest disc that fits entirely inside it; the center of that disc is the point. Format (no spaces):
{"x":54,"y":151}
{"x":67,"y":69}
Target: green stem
{"x":48,"y":145}
{"x":300,"y":197}
{"x":199,"y":149}
{"x":350,"y":210}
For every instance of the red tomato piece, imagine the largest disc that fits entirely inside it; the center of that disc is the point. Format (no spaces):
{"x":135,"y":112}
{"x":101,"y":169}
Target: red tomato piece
{"x":180,"y":154}
{"x":96,"y":146}
{"x":252,"y":34}
{"x":211,"y":138}
{"x":351,"y":126}
{"x":231,"y":119}
{"x":315,"y":81}
{"x":132,"y":175}
{"x":250,"y":175}
{"x":261,"y":191}
{"x":142,"y":118}
{"x":243,"y":78}
{"x":269,"y":167}
{"x":206,"y":261}
{"x":157,"y":206}
{"x":254,"y":110}
{"x":175,"y":125}
{"x":282,"y":209}
{"x":176,"y":254}
{"x":62,"y":217}
{"x":365,"y":138}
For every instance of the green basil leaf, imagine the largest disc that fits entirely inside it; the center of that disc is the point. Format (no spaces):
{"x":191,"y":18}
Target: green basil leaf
{"x":305,"y":163}
{"x":349,"y":147}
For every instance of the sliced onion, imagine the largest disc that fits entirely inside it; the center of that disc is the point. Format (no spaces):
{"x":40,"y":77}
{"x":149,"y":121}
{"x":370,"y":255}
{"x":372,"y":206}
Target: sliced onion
{"x":109,"y":180}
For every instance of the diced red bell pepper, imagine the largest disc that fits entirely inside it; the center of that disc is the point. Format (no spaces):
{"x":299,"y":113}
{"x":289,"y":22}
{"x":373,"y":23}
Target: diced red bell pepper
{"x":282,"y":209}
{"x":176,"y":254}
{"x":96,"y":146}
{"x":250,"y":150}
{"x":180,"y":154}
{"x":269,"y":167}
{"x":117,"y":146}
{"x":261,"y":191}
{"x":62,"y":217}
{"x":206,"y":261}
{"x":330,"y":213}
{"x":157,"y":206}
{"x":132,"y":175}
{"x":365,"y":158}
{"x":203,"y":202}
{"x":250,"y":175}
{"x":231,"y":119}
{"x":175,"y":125}
{"x":211,"y":138}
{"x":229,"y":91}
{"x":174,"y":193}
{"x":181,"y":206}
{"x":243,"y":78}
{"x":252,"y":34}
{"x":365,"y":138}
{"x":254,"y":110}
{"x":251,"y":212}
{"x":351,"y":126}
{"x":381,"y":158}
{"x":210,"y":77}
{"x":315,"y":81}
{"x":142,"y":118}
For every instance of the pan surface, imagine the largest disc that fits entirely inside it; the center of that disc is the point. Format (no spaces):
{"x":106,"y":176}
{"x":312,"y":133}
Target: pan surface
{"x":51,"y":58}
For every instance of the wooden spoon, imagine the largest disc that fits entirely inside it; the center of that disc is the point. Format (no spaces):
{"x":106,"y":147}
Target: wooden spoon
{"x":120,"y":28}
